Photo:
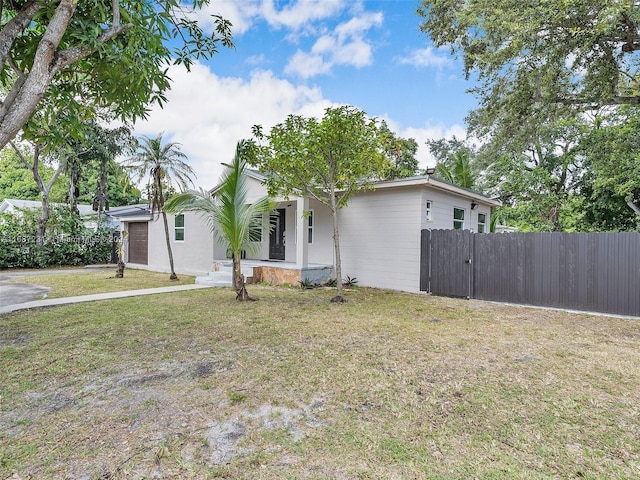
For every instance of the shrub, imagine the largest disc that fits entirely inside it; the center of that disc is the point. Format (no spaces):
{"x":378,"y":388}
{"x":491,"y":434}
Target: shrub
{"x":66,"y":242}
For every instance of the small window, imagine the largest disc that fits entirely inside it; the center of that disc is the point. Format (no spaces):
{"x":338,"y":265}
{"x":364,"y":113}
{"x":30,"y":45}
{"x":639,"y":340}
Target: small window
{"x":310,"y":226}
{"x":482,"y":222}
{"x":428,"y":211}
{"x":179,"y":228}
{"x":458,"y":218}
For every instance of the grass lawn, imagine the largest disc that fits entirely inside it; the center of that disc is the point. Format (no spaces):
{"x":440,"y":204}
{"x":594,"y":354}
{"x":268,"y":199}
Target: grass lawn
{"x":388,"y":386}
{"x":87,"y":282}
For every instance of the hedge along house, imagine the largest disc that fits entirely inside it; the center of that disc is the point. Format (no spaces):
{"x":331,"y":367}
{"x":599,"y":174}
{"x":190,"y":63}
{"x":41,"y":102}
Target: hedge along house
{"x":379,"y":235}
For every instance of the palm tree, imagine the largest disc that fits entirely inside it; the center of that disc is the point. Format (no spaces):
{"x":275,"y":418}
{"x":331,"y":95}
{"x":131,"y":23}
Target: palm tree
{"x":457,"y":170}
{"x":231,"y":219}
{"x":162,"y":166}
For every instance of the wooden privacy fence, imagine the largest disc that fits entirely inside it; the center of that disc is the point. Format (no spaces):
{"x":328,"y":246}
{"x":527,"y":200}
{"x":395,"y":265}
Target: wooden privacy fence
{"x":597,"y":272}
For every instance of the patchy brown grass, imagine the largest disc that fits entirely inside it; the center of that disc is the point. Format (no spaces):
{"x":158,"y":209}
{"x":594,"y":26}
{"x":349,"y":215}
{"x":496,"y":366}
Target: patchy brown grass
{"x":103,"y":280}
{"x":389,"y":385}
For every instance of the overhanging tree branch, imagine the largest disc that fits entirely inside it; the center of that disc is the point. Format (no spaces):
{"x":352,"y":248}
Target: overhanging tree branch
{"x":15,"y":27}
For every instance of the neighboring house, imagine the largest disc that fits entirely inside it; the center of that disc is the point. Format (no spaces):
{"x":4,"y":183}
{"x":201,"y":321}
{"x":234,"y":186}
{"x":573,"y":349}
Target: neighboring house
{"x":12,"y":205}
{"x":379,"y":234}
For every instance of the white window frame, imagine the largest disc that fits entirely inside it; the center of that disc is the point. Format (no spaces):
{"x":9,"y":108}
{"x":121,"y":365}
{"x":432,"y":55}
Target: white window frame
{"x":428,"y":212}
{"x":310,"y":228}
{"x":176,"y":228}
{"x":461,"y":221}
{"x":311,"y":224}
{"x":482,"y":226}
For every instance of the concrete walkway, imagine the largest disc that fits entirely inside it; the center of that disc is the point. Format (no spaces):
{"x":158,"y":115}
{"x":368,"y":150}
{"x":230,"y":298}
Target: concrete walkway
{"x":97,"y":296}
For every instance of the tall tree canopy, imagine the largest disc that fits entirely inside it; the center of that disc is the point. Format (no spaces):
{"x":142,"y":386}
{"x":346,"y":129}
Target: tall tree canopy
{"x":79,"y":56}
{"x":401,"y":153}
{"x":542,"y":69}
{"x":91,"y":167}
{"x":455,"y":161}
{"x":611,"y":184}
{"x":16,"y":179}
{"x":328,"y":159}
{"x":544,"y":52}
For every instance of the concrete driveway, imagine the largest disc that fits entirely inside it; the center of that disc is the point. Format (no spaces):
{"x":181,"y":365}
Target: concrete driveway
{"x":12,"y":293}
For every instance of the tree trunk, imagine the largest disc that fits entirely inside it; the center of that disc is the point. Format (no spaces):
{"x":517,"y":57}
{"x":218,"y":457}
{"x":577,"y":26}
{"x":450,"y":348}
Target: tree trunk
{"x":74,"y":181}
{"x":633,"y":207}
{"x":237,"y":281}
{"x":173,"y":275}
{"x":44,"y":189}
{"x":339,"y":298}
{"x":44,"y":218}
{"x":120,"y":270}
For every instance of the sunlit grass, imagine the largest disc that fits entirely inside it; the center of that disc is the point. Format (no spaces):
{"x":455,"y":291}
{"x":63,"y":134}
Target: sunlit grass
{"x":102,"y":280}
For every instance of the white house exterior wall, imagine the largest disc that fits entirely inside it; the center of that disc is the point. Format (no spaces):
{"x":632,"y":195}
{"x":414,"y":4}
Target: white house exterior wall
{"x":442,"y":205}
{"x":193,"y":256}
{"x":321,"y":249}
{"x":380,"y":238}
{"x":380,"y":233}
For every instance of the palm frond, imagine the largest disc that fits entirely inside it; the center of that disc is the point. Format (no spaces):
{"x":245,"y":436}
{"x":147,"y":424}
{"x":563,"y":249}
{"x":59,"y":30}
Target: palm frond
{"x":230,"y":218}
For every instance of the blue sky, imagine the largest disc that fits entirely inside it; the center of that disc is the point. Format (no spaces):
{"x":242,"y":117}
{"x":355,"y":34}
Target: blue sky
{"x":302,"y":56}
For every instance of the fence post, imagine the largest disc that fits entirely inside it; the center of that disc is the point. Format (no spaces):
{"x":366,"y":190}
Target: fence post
{"x":425,"y":261}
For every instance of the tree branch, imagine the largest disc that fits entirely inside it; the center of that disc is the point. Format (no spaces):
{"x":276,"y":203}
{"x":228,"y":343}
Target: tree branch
{"x":633,"y":207}
{"x":73,"y":54}
{"x":15,"y":26}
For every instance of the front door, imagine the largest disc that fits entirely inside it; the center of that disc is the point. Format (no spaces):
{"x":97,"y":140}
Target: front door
{"x":277,"y":235}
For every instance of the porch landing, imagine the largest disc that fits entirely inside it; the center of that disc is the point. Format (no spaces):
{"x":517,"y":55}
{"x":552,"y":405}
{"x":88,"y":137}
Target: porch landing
{"x":272,"y":272}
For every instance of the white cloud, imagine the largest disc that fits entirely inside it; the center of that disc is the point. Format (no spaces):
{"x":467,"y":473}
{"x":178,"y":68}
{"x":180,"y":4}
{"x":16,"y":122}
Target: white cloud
{"x":240,"y":14}
{"x":346,"y":45}
{"x":307,"y":65}
{"x":427,"y":57}
{"x":298,"y":14}
{"x":208,"y":114}
{"x":295,"y":16}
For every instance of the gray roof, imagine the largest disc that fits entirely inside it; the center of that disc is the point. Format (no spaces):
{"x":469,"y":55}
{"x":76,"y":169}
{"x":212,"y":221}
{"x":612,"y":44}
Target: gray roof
{"x":31,"y":204}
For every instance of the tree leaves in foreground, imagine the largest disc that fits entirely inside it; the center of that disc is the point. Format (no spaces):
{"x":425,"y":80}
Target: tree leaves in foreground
{"x":79,"y":57}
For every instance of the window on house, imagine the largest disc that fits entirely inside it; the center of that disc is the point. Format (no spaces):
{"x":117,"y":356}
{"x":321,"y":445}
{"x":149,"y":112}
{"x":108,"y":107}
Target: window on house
{"x":310,"y":227}
{"x":309,"y":214}
{"x":482,"y":222}
{"x":178,"y":231}
{"x":428,"y":214}
{"x":458,"y":218}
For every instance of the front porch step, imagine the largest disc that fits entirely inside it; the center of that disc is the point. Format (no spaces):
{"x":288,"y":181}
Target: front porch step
{"x":221,"y":278}
{"x":247,"y":271}
{"x":224,"y":276}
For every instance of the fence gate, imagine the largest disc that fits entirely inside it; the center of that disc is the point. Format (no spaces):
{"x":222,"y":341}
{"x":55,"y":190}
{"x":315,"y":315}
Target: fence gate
{"x":446,"y":267}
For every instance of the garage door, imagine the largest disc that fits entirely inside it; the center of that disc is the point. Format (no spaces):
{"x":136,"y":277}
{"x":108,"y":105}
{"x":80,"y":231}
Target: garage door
{"x":139,"y":243}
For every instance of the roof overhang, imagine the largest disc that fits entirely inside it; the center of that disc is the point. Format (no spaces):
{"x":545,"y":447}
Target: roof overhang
{"x":436,"y":183}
